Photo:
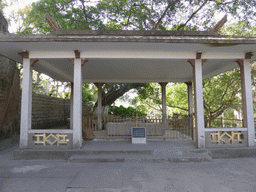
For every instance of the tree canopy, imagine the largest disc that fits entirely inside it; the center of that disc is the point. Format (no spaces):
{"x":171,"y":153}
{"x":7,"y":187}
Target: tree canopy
{"x":220,"y":92}
{"x":135,"y":14}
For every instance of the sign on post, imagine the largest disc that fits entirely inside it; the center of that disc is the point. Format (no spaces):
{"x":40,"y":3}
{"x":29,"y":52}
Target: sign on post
{"x":138,"y":135}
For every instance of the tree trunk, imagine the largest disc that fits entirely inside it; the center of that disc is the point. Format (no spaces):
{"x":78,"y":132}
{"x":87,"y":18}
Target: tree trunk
{"x":210,"y":122}
{"x":114,"y":91}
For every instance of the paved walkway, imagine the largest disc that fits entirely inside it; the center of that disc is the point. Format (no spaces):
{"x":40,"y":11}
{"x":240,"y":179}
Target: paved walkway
{"x":225,"y":175}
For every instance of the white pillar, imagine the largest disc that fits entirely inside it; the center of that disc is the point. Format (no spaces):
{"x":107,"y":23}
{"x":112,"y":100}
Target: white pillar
{"x":71,"y":105}
{"x":190,"y":109}
{"x":77,"y":104}
{"x":26,"y":103}
{"x":248,"y":115}
{"x":164,"y":113}
{"x":198,"y":97}
{"x":99,"y":108}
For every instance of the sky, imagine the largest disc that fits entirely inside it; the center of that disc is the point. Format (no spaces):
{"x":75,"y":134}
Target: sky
{"x":16,"y":5}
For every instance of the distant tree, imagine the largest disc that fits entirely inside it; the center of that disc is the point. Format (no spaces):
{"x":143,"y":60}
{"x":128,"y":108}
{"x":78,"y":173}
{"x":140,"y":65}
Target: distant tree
{"x":220,"y":93}
{"x":241,"y":28}
{"x":151,"y":97}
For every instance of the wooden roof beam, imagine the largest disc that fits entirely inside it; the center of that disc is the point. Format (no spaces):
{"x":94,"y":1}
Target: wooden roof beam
{"x":52,"y":23}
{"x":220,"y":24}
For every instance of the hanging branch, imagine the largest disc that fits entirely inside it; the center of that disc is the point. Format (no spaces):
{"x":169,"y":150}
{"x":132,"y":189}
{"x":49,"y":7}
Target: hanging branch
{"x":184,"y":109}
{"x":183,"y":25}
{"x":84,"y":10}
{"x":170,"y":4}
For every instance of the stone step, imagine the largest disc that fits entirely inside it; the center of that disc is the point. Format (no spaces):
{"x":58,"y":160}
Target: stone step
{"x":123,"y":155}
{"x":157,"y":156}
{"x":138,"y":158}
{"x":118,"y":152}
{"x":28,"y":154}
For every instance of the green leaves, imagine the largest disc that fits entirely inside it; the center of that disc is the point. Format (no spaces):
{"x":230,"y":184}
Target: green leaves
{"x":241,"y":28}
{"x":220,"y":93}
{"x":125,"y":112}
{"x":89,"y":94}
{"x":135,"y":14}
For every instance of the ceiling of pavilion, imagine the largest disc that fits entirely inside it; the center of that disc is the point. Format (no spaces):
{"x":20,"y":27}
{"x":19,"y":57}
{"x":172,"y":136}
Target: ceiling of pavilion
{"x":131,"y":70}
{"x":128,"y":61}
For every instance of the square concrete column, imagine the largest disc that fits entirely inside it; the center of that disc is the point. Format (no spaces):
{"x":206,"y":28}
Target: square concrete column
{"x":164,"y":112}
{"x":248,"y":114}
{"x":77,"y":104}
{"x":26,"y":103}
{"x":198,"y":97}
{"x":71,"y":105}
{"x":99,"y":108}
{"x":190,"y":109}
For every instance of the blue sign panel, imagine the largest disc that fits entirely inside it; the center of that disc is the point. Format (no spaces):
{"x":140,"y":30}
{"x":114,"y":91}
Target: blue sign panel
{"x":138,"y":132}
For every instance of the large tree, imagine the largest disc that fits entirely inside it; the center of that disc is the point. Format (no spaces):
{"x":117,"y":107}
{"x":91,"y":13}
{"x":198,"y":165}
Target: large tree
{"x":220,"y":93}
{"x":133,"y":14}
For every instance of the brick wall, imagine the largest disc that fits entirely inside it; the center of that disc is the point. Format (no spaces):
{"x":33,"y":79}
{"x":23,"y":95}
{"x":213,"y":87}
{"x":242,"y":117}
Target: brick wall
{"x":50,"y":112}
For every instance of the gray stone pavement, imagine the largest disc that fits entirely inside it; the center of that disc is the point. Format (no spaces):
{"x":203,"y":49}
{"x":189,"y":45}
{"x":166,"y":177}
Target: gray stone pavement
{"x":224,"y":175}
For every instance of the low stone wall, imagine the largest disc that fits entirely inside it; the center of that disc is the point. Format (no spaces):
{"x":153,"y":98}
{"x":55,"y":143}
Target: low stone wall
{"x":124,"y":129}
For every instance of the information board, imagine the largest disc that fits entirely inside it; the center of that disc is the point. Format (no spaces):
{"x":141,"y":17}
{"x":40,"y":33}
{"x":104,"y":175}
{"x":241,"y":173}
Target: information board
{"x":138,"y":132}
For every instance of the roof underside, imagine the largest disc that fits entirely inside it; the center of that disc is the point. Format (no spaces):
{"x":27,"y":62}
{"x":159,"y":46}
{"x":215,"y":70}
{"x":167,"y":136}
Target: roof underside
{"x":128,"y":58}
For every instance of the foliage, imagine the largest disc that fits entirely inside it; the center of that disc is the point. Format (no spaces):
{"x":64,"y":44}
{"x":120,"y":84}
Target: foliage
{"x":89,"y":94}
{"x":177,"y":98}
{"x":220,"y":93}
{"x":125,"y":112}
{"x":2,"y":4}
{"x":241,"y":28}
{"x":74,"y":14}
{"x":135,"y":14}
{"x":112,"y":91}
{"x":150,"y":97}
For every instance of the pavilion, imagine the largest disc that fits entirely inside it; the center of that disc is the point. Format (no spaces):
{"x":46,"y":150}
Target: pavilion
{"x":132,"y":57}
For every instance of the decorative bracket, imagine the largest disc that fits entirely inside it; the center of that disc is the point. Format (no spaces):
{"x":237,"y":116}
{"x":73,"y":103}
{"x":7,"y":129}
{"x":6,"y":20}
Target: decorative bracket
{"x":71,"y":60}
{"x":248,"y":55}
{"x":203,"y":61}
{"x":83,"y":61}
{"x":24,"y":54}
{"x":97,"y":84}
{"x":198,"y":54}
{"x":192,"y":62}
{"x":189,"y":83}
{"x":33,"y":62}
{"x":240,"y":62}
{"x":163,"y":84}
{"x":77,"y":54}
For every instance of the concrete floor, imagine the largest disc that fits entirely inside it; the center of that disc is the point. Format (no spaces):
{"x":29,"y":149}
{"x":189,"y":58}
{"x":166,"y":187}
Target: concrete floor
{"x":224,"y":175}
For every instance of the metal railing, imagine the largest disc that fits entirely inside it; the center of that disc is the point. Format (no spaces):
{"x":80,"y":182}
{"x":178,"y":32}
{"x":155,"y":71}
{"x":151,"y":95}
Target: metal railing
{"x":226,"y":123}
{"x":177,"y":126}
